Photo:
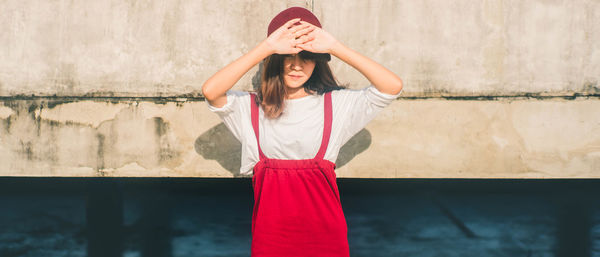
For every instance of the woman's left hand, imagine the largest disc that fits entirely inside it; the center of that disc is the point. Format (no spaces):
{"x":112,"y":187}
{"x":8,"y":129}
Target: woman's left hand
{"x":321,"y":41}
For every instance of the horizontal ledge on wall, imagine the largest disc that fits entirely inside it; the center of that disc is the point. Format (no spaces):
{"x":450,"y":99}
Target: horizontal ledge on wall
{"x":404,"y":96}
{"x":522,"y":96}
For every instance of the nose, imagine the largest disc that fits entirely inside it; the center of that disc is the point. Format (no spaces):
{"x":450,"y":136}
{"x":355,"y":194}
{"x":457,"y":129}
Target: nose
{"x":296,"y":63}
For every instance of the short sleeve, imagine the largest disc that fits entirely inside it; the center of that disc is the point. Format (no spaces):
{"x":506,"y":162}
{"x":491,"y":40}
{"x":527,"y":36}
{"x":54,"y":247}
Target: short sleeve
{"x":378,"y":98}
{"x":232,"y":112}
{"x":359,"y":106}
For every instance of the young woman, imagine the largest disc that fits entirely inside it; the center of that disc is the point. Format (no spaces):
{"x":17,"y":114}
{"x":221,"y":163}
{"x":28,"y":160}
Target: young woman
{"x":292,"y":129}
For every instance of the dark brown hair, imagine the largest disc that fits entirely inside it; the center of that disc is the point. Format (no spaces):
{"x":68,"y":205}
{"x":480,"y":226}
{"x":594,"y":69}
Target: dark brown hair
{"x":271,"y":91}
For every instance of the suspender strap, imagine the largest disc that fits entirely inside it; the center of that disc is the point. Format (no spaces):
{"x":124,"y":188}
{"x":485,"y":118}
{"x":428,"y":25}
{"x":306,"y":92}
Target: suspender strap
{"x":254,"y":112}
{"x":327,"y":127}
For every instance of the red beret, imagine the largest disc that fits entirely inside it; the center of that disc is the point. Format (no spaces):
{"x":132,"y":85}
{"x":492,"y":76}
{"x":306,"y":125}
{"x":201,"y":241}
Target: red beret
{"x":292,"y":13}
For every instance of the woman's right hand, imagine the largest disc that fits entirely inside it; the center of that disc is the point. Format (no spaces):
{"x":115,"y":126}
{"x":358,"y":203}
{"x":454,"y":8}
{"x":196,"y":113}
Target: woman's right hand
{"x":285,"y":39}
{"x":282,"y":41}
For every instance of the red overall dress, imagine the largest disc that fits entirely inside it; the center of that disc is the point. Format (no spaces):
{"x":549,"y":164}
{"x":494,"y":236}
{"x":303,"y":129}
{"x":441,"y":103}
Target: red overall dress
{"x":297,"y":208}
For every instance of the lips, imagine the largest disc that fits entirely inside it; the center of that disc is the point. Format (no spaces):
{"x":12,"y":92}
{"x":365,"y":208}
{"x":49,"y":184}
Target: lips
{"x":295,"y":76}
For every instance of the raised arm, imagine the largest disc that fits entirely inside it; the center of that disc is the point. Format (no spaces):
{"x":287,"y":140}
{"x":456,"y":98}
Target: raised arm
{"x":282,"y":41}
{"x":383,"y":79}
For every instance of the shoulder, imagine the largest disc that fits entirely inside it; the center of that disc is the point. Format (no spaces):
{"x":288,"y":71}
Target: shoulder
{"x":237,"y":93}
{"x":239,"y":98}
{"x":235,"y":100}
{"x":371,"y":90}
{"x":347,"y":93}
{"x":368,"y":95}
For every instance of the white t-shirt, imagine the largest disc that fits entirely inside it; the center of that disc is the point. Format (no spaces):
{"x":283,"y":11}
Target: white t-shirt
{"x":298,"y":132}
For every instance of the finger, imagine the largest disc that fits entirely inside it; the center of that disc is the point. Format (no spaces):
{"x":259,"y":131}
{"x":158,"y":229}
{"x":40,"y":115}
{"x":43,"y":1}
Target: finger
{"x":290,"y":23}
{"x":305,"y":38}
{"x":293,"y":50}
{"x":307,"y":23}
{"x":306,"y":47}
{"x":312,"y":35}
{"x":295,"y":28}
{"x":304,"y":31}
{"x":305,"y":43}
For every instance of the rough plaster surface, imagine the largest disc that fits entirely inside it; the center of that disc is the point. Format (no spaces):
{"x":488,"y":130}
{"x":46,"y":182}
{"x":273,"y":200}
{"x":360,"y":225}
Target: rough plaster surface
{"x":483,"y":139}
{"x":150,"y":48}
{"x":411,"y":138}
{"x":499,"y":51}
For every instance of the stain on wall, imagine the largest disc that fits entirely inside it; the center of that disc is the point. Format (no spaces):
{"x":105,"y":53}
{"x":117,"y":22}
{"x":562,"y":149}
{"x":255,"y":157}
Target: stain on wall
{"x":112,"y":88}
{"x":168,"y":49}
{"x":129,"y":137}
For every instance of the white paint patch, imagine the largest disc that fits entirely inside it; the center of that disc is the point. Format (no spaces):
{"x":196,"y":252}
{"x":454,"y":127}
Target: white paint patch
{"x":564,"y":155}
{"x":132,"y":169}
{"x":593,"y":154}
{"x":84,"y":112}
{"x":5,"y":112}
{"x":149,"y":110}
{"x":132,"y":166}
{"x":500,"y":141}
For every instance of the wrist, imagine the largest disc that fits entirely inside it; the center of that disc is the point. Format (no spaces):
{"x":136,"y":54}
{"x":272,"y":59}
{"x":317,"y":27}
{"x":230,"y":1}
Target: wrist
{"x":336,"y":48}
{"x":265,"y":48}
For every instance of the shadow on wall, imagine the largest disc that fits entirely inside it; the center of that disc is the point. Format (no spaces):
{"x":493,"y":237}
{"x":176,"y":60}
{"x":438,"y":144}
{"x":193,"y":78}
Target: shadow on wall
{"x":129,"y":138}
{"x":219,"y":144}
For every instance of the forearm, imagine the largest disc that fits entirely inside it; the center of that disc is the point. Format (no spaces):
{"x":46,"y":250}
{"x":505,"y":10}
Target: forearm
{"x":383,"y":79}
{"x":215,"y":88}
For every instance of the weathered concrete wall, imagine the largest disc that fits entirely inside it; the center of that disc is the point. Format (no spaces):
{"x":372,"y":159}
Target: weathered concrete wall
{"x":150,"y":48}
{"x":82,"y":86}
{"x":412,"y":138}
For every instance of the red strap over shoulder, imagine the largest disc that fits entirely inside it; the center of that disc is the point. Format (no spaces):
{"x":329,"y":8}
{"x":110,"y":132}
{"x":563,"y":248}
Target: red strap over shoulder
{"x":327,"y":127}
{"x":254,"y":114}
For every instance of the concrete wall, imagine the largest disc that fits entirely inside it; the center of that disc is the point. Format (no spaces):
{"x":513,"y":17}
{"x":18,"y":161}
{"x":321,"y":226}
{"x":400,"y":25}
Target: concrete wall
{"x":112,"y":88}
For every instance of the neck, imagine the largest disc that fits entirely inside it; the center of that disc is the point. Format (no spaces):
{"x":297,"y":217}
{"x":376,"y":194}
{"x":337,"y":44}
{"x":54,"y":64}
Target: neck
{"x":295,"y":93}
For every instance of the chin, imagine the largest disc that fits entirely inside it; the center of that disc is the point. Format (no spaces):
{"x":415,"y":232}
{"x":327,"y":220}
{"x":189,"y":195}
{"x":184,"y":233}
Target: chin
{"x":295,"y":84}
